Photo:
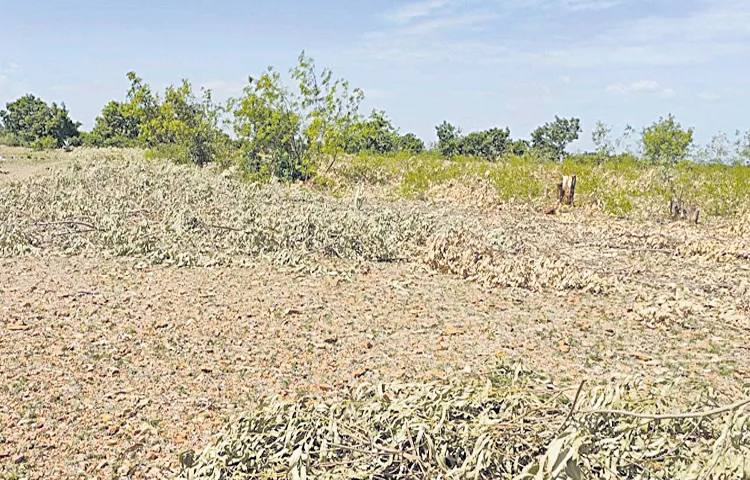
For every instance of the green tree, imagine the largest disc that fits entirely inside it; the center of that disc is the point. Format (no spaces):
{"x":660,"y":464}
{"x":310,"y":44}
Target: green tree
{"x":184,"y":127}
{"x":120,"y":123}
{"x":519,"y":147}
{"x":602,"y":138}
{"x":665,"y":142}
{"x":34,"y":123}
{"x":289,"y":134}
{"x":375,"y":134}
{"x":117,"y":126}
{"x":449,"y":139}
{"x":741,"y":148}
{"x":552,"y":138}
{"x":489,"y":144}
{"x":410,"y":143}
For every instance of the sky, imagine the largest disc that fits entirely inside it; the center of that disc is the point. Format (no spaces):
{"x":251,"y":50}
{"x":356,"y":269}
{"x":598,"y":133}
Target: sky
{"x":477,"y":64}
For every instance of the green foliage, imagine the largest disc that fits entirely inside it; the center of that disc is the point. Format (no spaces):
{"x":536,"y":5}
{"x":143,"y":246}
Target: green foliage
{"x":377,"y":135}
{"x":617,"y":203}
{"x":9,"y":140}
{"x":489,"y":144}
{"x":552,"y":138}
{"x":519,"y":147}
{"x":288,"y":134}
{"x":665,"y":142}
{"x":44,"y":143}
{"x":181,"y":126}
{"x":601,"y":136}
{"x":184,"y":127}
{"x":742,"y":148}
{"x":514,"y":180}
{"x":34,"y":123}
{"x":117,"y":126}
{"x":425,"y":171}
{"x":449,"y":139}
{"x":410,"y":143}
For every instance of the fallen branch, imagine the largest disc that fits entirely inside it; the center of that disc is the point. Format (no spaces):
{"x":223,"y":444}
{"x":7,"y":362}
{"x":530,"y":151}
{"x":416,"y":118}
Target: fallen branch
{"x":672,"y":416}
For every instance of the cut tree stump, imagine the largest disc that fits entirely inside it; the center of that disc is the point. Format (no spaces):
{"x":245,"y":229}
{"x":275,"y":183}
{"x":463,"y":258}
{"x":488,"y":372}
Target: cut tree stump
{"x":678,"y":209}
{"x":566,"y":190}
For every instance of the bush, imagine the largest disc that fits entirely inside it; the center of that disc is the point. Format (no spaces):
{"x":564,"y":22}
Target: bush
{"x":44,"y":143}
{"x":290,"y":134}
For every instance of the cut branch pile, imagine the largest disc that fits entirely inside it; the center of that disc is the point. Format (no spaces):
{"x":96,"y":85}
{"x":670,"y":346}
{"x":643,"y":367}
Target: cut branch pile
{"x":468,"y":255}
{"x":514,"y":426}
{"x":162,"y":213}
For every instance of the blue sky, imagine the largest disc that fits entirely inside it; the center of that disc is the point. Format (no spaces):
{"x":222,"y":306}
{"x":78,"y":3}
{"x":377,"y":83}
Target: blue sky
{"x":474,"y":63}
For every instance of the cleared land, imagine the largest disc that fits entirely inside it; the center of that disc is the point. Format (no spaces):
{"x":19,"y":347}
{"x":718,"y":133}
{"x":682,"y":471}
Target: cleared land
{"x":114,"y":360}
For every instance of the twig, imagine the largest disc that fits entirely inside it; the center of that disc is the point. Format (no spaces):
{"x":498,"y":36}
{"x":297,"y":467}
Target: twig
{"x":69,"y":222}
{"x":672,"y":416}
{"x":572,"y":408}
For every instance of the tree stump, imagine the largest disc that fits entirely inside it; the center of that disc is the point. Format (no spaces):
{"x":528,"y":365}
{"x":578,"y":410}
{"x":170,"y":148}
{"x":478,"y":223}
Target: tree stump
{"x":679,"y":210}
{"x":566,"y":190}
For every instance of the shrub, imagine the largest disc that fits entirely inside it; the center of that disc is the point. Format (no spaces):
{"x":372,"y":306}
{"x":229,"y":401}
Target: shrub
{"x":288,"y":134}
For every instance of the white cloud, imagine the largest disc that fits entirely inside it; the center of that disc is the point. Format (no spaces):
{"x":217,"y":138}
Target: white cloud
{"x":642,"y":86}
{"x":448,"y":22}
{"x":591,"y":5}
{"x":435,"y":31}
{"x":10,"y":68}
{"x":650,"y":87}
{"x":668,"y":93}
{"x":709,"y":96}
{"x":411,"y":11}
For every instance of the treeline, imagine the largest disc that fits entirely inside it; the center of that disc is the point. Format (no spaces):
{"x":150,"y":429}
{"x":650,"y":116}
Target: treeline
{"x":295,"y":132}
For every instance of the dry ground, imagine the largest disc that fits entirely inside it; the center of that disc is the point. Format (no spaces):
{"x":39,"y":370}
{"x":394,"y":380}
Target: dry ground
{"x":107,"y":370}
{"x":22,"y":163}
